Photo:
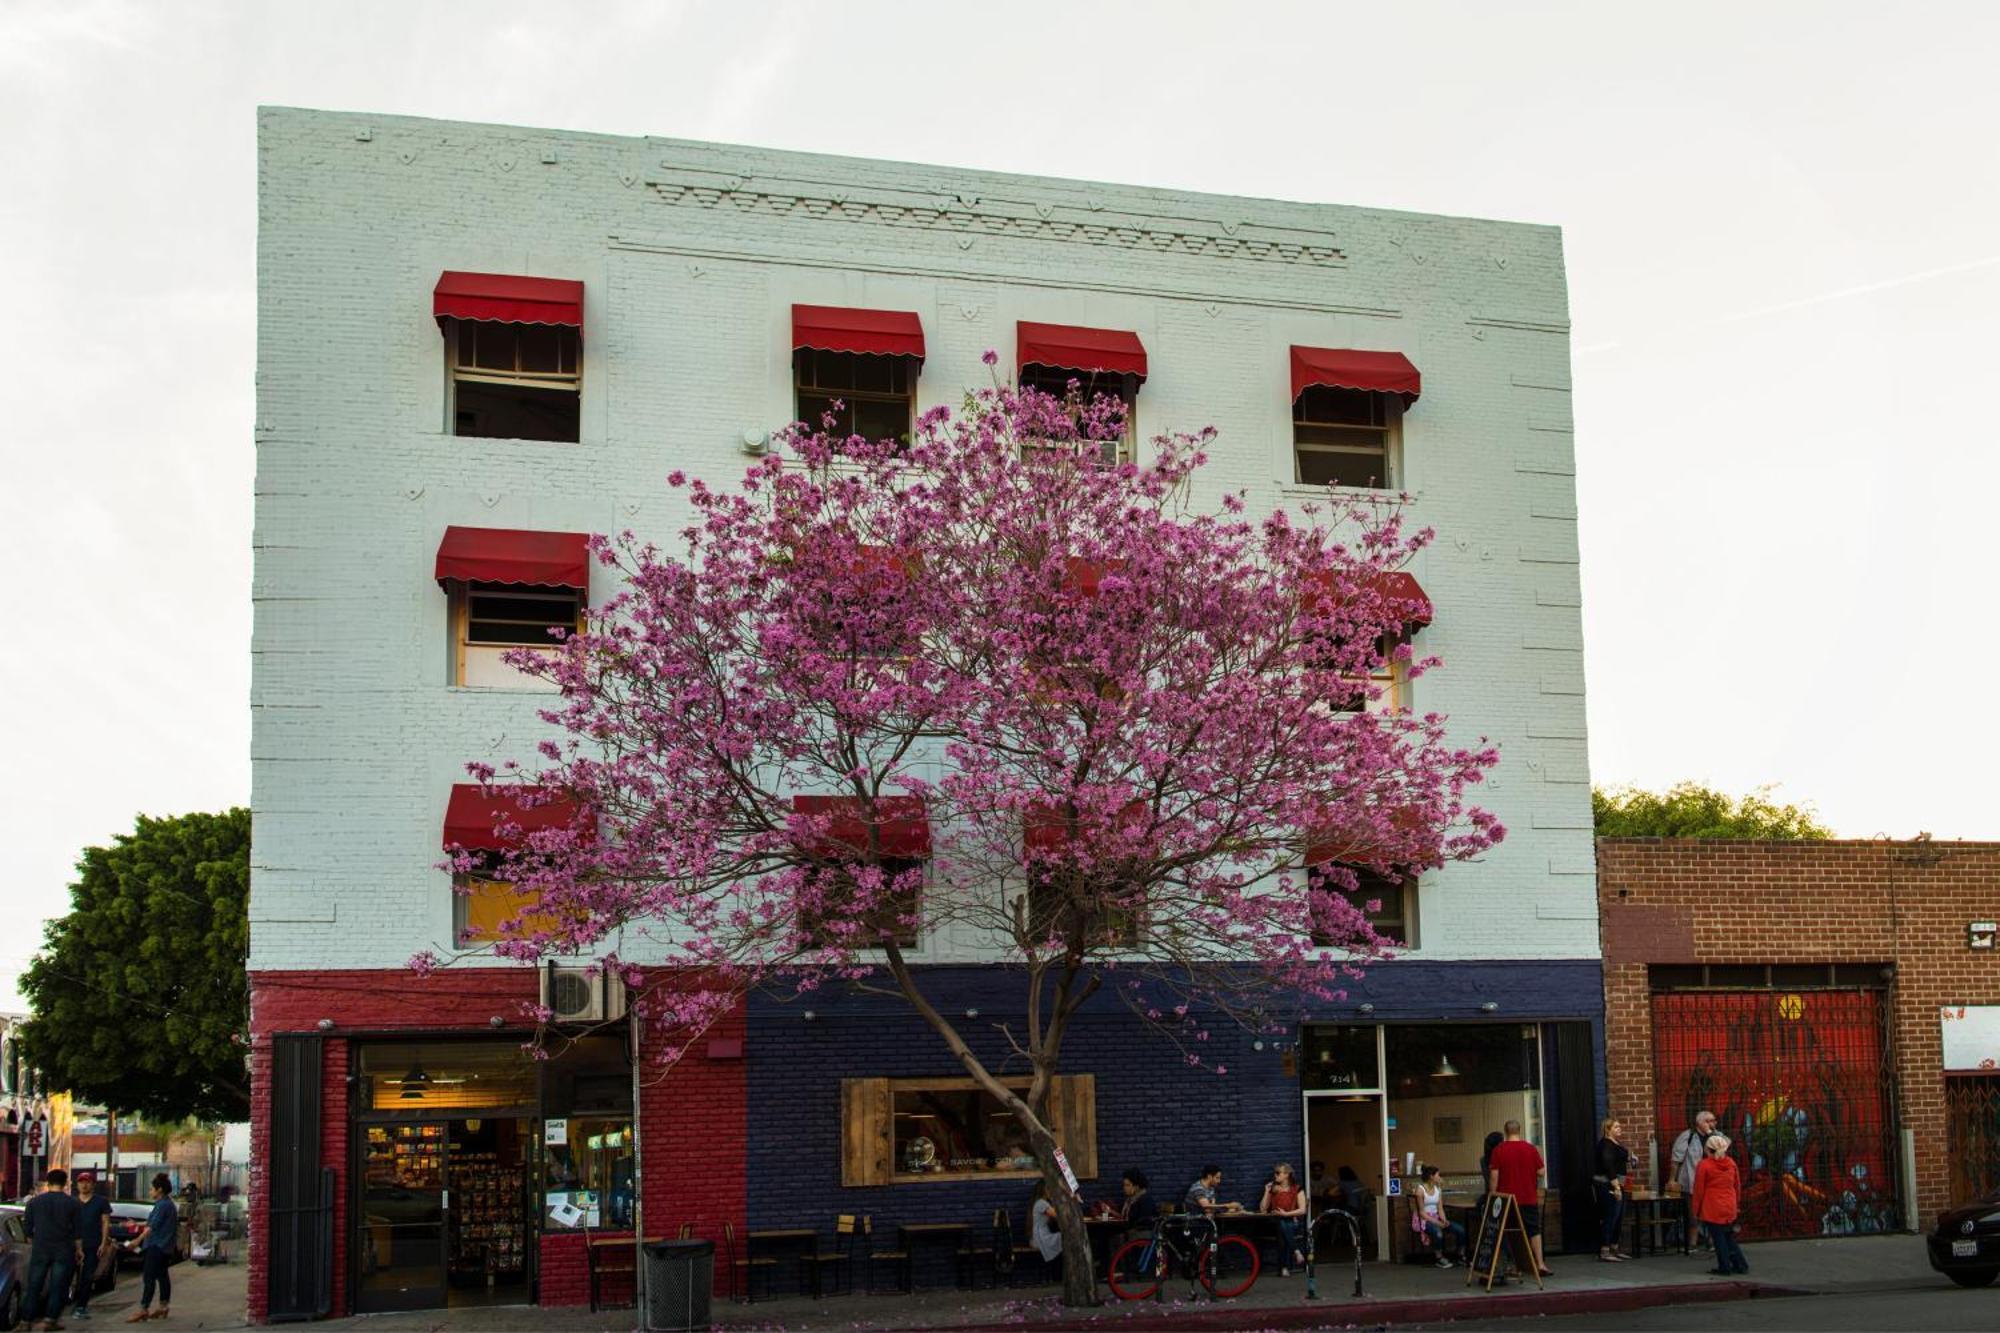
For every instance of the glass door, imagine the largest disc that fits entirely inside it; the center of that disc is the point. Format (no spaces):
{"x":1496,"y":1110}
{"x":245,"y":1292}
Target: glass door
{"x":400,"y":1223}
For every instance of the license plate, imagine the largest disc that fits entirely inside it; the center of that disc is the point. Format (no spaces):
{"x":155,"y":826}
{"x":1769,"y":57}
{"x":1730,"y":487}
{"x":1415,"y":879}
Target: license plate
{"x":1965,"y":1249}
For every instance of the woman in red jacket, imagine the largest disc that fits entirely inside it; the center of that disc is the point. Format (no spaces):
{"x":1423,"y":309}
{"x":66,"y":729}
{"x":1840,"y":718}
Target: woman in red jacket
{"x":1715,"y":1206}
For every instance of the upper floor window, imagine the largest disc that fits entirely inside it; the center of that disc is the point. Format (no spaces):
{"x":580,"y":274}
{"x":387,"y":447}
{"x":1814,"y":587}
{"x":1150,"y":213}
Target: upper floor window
{"x":510,"y":588}
{"x":897,"y":843}
{"x":514,"y":353}
{"x":858,"y":367}
{"x":1389,"y":903}
{"x":1346,"y":408}
{"x":1381,"y":692}
{"x":1097,"y":362}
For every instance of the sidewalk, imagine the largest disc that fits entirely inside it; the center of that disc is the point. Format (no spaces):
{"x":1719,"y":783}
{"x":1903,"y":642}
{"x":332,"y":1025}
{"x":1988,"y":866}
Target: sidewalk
{"x":211,"y":1297}
{"x":1394,"y":1294}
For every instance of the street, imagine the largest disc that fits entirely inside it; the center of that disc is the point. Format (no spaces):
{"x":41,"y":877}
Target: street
{"x":1938,"y":1306}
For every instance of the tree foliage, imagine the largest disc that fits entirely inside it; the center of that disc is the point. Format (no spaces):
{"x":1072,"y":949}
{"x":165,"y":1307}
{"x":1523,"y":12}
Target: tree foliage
{"x":1115,"y":721}
{"x":1691,"y":810}
{"x":140,"y":994}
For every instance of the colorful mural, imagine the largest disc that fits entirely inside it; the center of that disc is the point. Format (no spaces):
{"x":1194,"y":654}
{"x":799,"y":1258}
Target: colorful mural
{"x":1799,"y":1081}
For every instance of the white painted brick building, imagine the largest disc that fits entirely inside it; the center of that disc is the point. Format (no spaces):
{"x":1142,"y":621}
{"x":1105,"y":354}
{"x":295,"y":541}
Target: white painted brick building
{"x":692,"y":256}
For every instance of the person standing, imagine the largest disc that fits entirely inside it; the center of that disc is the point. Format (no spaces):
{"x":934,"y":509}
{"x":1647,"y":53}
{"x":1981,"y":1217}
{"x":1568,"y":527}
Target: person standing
{"x":54,"y":1251}
{"x":1516,"y":1168}
{"x":1614,"y":1159}
{"x":93,"y":1234}
{"x":1715,"y":1206}
{"x":156,"y":1249}
{"x":1690,"y":1146}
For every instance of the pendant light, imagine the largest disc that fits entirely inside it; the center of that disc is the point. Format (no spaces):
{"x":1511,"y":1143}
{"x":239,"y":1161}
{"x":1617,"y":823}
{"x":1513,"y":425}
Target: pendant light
{"x":1444,"y":1069}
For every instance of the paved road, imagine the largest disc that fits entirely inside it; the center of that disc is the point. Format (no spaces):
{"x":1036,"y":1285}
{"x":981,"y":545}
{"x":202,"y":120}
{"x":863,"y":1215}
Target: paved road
{"x":1943,"y":1308}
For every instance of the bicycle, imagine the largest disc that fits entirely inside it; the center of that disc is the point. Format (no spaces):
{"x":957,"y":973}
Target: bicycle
{"x":1225,"y":1266}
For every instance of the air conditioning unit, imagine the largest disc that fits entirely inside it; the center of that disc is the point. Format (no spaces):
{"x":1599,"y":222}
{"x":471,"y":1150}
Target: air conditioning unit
{"x":582,"y":994}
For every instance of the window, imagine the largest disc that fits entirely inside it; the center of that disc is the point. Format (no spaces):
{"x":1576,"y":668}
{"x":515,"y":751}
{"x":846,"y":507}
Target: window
{"x":587,"y":1132}
{"x":895,"y":914}
{"x":1340,"y":1058}
{"x":915,"y":1129}
{"x":493,"y":619}
{"x":1099,"y":917}
{"x":876,"y":394}
{"x":1089,"y":385}
{"x":515,"y":381}
{"x":424,"y":1078}
{"x":1394,"y":914}
{"x":1385,"y":683}
{"x":481,"y":905}
{"x":1340,"y":437}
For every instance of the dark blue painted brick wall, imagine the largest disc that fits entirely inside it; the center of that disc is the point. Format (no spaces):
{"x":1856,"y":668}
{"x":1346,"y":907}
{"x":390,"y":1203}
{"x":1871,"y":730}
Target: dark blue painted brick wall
{"x":1154,"y":1111}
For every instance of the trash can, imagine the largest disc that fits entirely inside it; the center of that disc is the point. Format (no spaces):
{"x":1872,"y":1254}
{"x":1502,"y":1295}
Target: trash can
{"x":680,"y":1283}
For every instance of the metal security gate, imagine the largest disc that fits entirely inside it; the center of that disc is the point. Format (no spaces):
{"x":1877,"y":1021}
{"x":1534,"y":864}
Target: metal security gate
{"x":1799,"y":1081}
{"x":1972,"y":1128}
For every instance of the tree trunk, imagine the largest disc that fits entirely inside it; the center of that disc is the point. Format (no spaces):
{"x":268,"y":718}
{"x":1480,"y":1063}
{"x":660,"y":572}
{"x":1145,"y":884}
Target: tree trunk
{"x":1079,"y":1272}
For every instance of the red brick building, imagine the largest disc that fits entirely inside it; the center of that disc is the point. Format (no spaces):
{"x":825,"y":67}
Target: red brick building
{"x":1836,"y":1004}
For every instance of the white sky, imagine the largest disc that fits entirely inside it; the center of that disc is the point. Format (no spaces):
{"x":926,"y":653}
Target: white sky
{"x":1783,"y":276}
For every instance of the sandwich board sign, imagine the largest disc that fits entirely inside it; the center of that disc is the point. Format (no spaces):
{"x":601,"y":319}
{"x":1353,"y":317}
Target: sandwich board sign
{"x":1500,"y":1222}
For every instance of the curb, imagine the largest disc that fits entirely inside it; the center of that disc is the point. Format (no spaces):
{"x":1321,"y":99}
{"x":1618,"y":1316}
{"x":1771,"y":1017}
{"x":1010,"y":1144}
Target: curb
{"x":1432,"y":1309}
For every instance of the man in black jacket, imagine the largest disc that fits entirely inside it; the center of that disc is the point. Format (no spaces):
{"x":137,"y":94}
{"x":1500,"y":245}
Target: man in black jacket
{"x":54,"y":1250}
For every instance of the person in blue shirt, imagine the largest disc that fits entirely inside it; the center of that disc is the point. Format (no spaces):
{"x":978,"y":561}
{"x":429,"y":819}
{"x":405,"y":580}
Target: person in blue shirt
{"x":93,"y":1234}
{"x":156,"y":1248}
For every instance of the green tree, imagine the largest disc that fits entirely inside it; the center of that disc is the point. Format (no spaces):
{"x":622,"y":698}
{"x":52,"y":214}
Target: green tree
{"x":1690,"y":810}
{"x":140,"y":996}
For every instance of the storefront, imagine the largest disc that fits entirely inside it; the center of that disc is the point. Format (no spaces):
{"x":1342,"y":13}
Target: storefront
{"x":467,"y":1151}
{"x":1382,"y":1101}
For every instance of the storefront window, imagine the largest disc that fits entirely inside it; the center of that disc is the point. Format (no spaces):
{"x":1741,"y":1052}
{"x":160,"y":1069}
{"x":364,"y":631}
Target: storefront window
{"x":587,"y":1135}
{"x":1452,"y":1085}
{"x":421,"y":1079}
{"x":1340,"y":1058}
{"x":957,"y":1131}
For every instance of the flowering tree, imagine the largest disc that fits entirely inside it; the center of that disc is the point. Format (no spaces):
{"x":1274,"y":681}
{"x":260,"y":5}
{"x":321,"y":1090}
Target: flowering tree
{"x":987,"y":681}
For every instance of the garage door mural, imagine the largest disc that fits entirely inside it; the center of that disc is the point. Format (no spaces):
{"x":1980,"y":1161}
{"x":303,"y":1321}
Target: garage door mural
{"x":1799,"y":1081}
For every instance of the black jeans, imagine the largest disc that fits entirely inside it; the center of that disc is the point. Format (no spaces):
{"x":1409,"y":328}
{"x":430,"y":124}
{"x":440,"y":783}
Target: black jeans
{"x":86,"y":1278}
{"x":48,"y":1284}
{"x":1610,"y":1212}
{"x":1728,"y":1254}
{"x":155,"y":1274}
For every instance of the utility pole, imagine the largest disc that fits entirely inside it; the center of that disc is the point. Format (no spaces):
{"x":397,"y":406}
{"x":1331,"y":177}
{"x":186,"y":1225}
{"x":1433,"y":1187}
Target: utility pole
{"x":111,"y":1153}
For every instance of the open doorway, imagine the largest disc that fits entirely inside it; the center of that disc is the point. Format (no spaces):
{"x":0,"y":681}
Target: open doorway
{"x":491,"y":1214}
{"x":1344,"y":1152}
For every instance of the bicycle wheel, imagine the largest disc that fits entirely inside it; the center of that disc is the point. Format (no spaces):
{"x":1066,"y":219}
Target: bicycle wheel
{"x":1135,"y":1270}
{"x":1230,"y":1268}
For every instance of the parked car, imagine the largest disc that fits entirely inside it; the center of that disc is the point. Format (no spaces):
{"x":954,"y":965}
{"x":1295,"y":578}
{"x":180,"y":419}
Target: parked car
{"x":13,"y":1265}
{"x":1965,"y":1246}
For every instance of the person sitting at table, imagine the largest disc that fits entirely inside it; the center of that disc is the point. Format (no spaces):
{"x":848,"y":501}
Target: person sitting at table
{"x":1201,"y":1200}
{"x":1431,"y":1222}
{"x":1286,"y":1201}
{"x":1140,"y":1210}
{"x":1319,"y":1184}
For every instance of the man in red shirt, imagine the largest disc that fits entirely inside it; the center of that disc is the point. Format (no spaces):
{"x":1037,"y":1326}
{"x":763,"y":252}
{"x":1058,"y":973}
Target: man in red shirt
{"x":1516,"y":1168}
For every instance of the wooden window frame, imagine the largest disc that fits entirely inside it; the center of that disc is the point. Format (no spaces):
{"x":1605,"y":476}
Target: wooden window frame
{"x":457,"y":374}
{"x":1054,"y":381}
{"x":1386,"y":411}
{"x":803,"y":360}
{"x":1405,"y":897}
{"x":867,"y":1131}
{"x":461,"y":592}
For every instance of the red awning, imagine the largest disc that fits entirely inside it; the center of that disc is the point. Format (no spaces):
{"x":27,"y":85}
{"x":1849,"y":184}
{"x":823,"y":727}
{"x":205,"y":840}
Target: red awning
{"x":1066,"y":347}
{"x":1085,"y":576}
{"x":832,"y":328}
{"x":1345,"y":368}
{"x":1394,"y":587}
{"x":905,"y":828}
{"x":507,"y":299}
{"x":511,"y":555}
{"x":1044,"y":829}
{"x":471,"y":817}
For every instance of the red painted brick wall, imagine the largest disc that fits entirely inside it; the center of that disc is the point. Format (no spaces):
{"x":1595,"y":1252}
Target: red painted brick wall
{"x":1665,"y":901}
{"x":692,"y":1119}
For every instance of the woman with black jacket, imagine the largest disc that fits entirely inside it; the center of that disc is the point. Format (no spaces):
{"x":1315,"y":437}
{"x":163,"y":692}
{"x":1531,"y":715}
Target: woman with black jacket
{"x":1614,"y":1159}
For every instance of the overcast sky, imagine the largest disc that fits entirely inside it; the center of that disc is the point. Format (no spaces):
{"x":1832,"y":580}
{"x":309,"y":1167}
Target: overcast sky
{"x":1783,"y":277}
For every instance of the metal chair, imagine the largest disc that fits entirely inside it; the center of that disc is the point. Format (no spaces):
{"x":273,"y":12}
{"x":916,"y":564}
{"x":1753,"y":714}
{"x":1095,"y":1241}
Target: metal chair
{"x":899,"y":1258}
{"x":743,"y":1268}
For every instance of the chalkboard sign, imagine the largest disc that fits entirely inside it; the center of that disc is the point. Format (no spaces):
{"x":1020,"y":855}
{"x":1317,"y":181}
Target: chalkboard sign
{"x":1499,"y":1221}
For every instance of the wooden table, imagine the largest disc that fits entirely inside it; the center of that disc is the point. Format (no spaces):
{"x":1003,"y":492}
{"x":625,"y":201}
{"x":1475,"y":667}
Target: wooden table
{"x":1105,"y":1234}
{"x":801,"y":1242}
{"x":1650,"y":1209}
{"x":911,"y":1236}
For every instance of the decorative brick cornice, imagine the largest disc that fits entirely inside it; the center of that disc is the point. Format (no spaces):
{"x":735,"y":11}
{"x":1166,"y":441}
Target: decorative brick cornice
{"x":1091,"y":222}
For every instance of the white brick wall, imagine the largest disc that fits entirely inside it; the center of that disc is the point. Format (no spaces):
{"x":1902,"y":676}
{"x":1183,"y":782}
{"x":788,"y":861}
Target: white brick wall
{"x":692,"y":255}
